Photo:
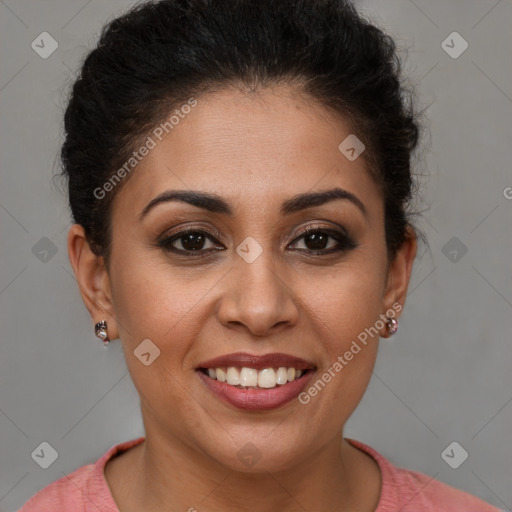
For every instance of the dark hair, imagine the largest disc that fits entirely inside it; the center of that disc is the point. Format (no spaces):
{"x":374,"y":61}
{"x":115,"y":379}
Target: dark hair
{"x":159,"y":54}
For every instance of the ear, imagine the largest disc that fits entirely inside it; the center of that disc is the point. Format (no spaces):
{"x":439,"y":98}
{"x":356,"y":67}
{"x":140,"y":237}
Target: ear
{"x":92,"y":279}
{"x":399,"y":273}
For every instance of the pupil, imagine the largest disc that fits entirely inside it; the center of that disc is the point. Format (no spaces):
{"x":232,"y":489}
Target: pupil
{"x":195,"y":241}
{"x":188,"y":241}
{"x":318,"y":241}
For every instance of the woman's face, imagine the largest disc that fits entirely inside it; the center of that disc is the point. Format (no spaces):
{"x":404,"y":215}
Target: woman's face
{"x":255,"y":284}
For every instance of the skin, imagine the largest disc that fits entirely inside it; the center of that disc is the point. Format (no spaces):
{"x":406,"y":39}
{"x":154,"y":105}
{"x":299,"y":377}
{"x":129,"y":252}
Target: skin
{"x":255,"y":150}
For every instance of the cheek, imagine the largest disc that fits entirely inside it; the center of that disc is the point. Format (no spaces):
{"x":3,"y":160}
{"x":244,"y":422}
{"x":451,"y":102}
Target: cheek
{"x":348,"y":307}
{"x":153,"y":301}
{"x":348,"y":302}
{"x":350,"y":346}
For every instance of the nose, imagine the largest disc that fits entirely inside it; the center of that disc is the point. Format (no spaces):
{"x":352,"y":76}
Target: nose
{"x":258,"y":296}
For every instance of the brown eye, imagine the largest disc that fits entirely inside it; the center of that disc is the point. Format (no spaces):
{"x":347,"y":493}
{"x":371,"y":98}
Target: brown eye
{"x":317,"y":241}
{"x":190,"y":240}
{"x":194,"y":242}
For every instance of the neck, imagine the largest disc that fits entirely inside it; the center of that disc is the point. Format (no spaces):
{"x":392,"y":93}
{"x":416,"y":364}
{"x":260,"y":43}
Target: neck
{"x":339,"y":478}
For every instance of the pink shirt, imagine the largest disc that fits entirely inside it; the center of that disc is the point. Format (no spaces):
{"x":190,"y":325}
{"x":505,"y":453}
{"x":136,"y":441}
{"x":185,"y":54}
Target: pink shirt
{"x":86,"y":490}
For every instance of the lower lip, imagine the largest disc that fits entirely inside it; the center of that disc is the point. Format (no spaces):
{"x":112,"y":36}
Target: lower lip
{"x":257,"y":399}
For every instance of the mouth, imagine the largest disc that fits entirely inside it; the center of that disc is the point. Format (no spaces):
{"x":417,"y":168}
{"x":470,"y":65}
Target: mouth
{"x":252,"y":378}
{"x":252,"y":382}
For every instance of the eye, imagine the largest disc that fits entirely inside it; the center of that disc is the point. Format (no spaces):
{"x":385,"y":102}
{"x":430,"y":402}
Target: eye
{"x":191,"y":241}
{"x":194,"y":242}
{"x":316,"y":241}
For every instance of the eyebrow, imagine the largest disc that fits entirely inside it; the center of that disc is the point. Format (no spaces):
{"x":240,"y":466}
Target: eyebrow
{"x":216,"y":204}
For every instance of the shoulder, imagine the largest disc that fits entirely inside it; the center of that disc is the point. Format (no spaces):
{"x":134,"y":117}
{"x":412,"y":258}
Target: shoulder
{"x":82,"y":490}
{"x":420,"y":489}
{"x":410,"y":491}
{"x":65,"y":494}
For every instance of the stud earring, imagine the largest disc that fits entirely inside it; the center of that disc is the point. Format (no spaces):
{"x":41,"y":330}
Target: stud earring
{"x":392,"y":325}
{"x":102,"y":332}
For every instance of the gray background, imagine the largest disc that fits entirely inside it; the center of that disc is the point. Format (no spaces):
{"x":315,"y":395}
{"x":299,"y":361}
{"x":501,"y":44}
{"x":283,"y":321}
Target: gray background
{"x":445,"y":376}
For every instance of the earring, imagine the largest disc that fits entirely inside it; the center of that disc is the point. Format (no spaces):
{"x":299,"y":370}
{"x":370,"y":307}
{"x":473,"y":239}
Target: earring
{"x":102,"y":332}
{"x":392,"y":325}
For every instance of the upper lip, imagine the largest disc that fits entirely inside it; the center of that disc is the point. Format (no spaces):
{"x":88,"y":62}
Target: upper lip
{"x":258,"y":362}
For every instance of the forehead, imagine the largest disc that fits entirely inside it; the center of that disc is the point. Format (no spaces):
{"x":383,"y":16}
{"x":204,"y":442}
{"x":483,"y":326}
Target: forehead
{"x":253,"y":149}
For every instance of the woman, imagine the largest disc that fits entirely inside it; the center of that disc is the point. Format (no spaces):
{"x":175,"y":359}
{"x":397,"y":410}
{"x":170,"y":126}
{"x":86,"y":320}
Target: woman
{"x":239,"y":176}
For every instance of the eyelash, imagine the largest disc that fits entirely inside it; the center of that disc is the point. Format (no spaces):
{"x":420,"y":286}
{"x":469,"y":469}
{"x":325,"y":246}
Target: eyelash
{"x":345,"y":243}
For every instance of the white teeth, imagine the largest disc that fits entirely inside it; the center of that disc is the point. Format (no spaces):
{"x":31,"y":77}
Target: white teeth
{"x":250,"y":377}
{"x":282,"y":376}
{"x":233,"y":376}
{"x":267,"y":378}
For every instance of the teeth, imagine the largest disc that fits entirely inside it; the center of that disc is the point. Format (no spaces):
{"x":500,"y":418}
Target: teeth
{"x":267,"y":378}
{"x":282,"y":376}
{"x":221,"y":375}
{"x":233,"y":376}
{"x":250,"y":377}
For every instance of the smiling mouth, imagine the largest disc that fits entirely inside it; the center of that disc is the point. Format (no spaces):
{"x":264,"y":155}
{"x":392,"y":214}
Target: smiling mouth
{"x":252,"y":378}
